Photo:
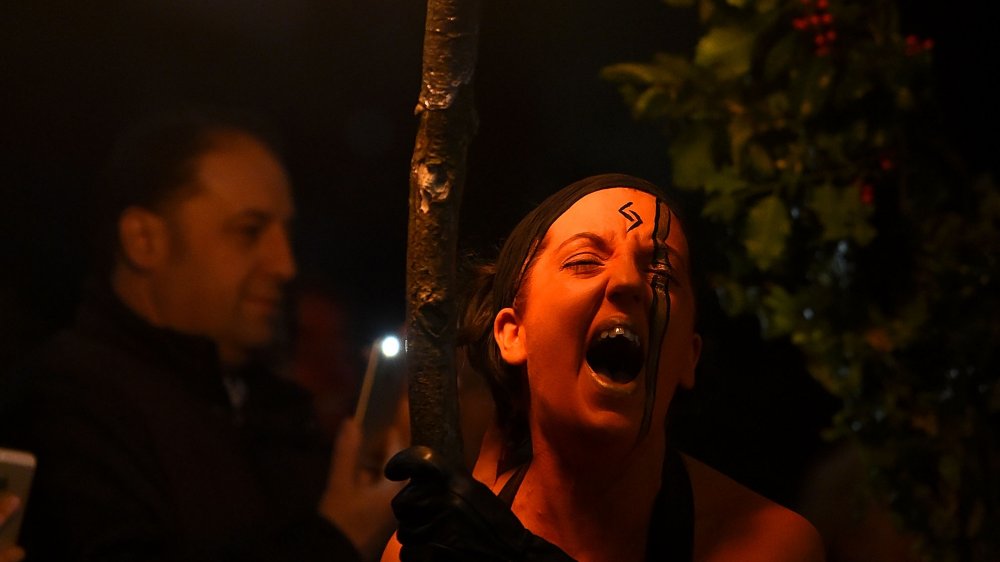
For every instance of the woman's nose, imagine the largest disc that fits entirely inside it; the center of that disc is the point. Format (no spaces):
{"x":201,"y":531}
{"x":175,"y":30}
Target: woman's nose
{"x":627,"y":282}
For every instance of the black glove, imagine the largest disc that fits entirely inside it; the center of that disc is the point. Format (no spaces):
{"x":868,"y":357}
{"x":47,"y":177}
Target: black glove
{"x":445,"y":514}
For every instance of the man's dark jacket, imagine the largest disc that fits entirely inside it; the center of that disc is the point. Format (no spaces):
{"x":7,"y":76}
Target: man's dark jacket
{"x":141,"y":455}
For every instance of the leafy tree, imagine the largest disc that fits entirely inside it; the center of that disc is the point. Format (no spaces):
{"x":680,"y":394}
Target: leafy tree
{"x":808,"y":130}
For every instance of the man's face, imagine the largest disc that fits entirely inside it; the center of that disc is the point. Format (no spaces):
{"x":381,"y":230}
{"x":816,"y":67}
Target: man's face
{"x":610,"y":288}
{"x":229,"y":252}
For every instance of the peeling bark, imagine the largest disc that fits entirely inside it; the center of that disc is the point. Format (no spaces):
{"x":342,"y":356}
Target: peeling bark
{"x":437,"y":175}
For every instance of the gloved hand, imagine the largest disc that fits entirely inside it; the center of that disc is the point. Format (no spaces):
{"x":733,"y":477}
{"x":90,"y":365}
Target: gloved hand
{"x":445,"y":514}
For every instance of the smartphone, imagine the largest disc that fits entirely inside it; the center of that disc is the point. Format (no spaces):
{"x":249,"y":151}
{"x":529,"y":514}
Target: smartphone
{"x":16,"y":471}
{"x":379,"y":400}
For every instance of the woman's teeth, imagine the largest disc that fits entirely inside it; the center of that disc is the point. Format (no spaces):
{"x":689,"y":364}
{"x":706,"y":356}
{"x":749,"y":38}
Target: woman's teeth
{"x":620,"y":331}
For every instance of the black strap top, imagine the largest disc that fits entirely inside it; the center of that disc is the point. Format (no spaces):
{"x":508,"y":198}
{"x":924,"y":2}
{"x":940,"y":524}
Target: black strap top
{"x":671,"y":529}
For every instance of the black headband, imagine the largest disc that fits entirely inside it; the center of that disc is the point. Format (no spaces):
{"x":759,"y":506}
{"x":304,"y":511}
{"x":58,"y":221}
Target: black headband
{"x":523,"y":242}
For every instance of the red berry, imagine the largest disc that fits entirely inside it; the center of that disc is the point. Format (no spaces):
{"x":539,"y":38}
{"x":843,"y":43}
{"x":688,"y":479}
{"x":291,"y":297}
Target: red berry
{"x":822,"y":51}
{"x":814,"y":19}
{"x":867,"y":194}
{"x":831,"y":35}
{"x":799,"y":23}
{"x":886,"y":164}
{"x":822,"y":4}
{"x":928,"y":44}
{"x":827,"y":18}
{"x":911,"y":40}
{"x":820,"y":40}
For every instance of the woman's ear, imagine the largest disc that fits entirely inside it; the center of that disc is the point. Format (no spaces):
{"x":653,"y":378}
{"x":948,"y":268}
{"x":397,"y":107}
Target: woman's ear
{"x":510,"y":337}
{"x":143,"y":237}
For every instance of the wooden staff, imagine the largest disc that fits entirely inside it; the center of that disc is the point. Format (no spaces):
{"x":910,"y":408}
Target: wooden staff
{"x":437,"y":175}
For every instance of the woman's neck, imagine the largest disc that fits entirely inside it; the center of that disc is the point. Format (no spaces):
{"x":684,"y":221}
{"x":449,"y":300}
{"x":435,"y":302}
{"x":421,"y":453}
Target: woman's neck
{"x":596,"y":504}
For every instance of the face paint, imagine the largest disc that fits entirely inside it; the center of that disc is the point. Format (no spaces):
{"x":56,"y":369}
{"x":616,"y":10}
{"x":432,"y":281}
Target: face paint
{"x":632,"y":216}
{"x":659,"y":309}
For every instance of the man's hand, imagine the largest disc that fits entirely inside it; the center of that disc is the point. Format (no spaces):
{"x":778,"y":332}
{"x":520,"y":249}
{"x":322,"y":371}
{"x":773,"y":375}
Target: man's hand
{"x":357,"y":498}
{"x":446,"y":515}
{"x":9,"y":504}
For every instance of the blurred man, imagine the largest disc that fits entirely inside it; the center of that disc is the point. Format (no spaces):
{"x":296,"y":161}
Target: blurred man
{"x":160,"y":435}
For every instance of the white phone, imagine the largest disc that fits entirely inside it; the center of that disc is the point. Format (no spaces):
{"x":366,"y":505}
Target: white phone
{"x":382,"y":387}
{"x":16,"y":470}
{"x":381,"y":394}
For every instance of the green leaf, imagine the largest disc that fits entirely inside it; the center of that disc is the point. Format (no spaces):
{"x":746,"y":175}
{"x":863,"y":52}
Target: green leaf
{"x":651,"y":104}
{"x":731,"y":295}
{"x":764,"y":6}
{"x":778,"y":104}
{"x":725,"y":181}
{"x":634,"y":72}
{"x":650,"y":89}
{"x":706,"y":8}
{"x":855,"y":80}
{"x":691,"y":156}
{"x":842,"y":213}
{"x":782,"y":312}
{"x":665,"y":69}
{"x":780,"y":57}
{"x":910,"y":322}
{"x":811,"y":86}
{"x":768,"y":227}
{"x":720,"y":187}
{"x":833,"y":147}
{"x":760,"y":160}
{"x":741,"y":129}
{"x":720,"y":207}
{"x":824,"y":373}
{"x":951,"y":470}
{"x":725,"y":50}
{"x":673,"y":64}
{"x":904,"y":99}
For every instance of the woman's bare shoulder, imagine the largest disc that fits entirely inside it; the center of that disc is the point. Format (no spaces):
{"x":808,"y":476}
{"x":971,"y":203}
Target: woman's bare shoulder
{"x":733,"y":522}
{"x":392,"y":548}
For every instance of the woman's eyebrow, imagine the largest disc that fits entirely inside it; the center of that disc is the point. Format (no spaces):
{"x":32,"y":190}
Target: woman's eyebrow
{"x":669,"y":253}
{"x":591,"y":237}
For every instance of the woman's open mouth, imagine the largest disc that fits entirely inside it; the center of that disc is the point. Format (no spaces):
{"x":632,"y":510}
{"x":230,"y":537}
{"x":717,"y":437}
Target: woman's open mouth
{"x":615,"y":357}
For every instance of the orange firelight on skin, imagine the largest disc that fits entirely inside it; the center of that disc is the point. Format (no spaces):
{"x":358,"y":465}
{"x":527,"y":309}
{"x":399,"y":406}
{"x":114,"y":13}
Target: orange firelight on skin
{"x":595,"y":271}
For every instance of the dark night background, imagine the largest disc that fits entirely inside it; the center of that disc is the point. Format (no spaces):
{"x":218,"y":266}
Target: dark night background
{"x":339,"y":78}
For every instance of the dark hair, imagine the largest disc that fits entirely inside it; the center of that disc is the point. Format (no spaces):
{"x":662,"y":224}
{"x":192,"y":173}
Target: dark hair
{"x":498,"y":286}
{"x":153,"y":163}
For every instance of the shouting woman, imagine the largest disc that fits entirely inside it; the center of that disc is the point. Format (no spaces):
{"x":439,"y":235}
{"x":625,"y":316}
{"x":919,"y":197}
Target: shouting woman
{"x":585,"y":329}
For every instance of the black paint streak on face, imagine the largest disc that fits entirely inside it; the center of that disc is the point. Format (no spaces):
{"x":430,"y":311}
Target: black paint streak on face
{"x":632,"y":216}
{"x":659,"y":314}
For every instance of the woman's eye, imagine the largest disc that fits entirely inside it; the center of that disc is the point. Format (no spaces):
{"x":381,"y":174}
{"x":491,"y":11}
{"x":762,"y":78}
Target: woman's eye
{"x":663,"y":271}
{"x":583,"y":264}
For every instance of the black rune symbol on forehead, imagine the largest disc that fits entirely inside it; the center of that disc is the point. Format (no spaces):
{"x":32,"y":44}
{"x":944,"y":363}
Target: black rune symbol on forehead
{"x":632,"y":216}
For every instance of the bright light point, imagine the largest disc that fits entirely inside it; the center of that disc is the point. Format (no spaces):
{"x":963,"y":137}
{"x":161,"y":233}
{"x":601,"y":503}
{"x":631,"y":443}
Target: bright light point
{"x":390,"y":346}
